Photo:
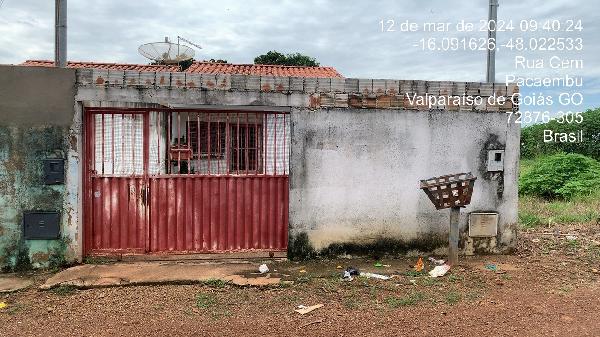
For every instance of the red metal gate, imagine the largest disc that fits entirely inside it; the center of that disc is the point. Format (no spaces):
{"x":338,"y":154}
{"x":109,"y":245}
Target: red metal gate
{"x":186,"y":181}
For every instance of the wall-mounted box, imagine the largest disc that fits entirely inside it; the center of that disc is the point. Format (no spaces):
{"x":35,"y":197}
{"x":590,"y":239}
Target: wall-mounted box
{"x":54,"y":171}
{"x":41,"y":225}
{"x":483,"y":224}
{"x":495,"y":160}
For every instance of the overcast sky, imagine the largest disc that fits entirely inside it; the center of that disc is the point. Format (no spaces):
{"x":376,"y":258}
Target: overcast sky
{"x":343,"y":34}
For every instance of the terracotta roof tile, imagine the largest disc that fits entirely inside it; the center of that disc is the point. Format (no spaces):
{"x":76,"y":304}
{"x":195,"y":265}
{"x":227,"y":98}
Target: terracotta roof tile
{"x":204,"y":68}
{"x":262,"y":70}
{"x":103,"y":65}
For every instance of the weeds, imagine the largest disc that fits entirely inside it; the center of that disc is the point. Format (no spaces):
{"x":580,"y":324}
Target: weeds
{"x":205,"y":301}
{"x":214,"y":283}
{"x":453,"y":297}
{"x":63,"y":290}
{"x":410,"y":299}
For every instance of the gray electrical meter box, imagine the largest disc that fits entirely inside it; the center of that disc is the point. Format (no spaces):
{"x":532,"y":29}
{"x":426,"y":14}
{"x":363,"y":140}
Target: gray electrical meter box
{"x":41,"y":225}
{"x":54,"y":171}
{"x":495,"y":160}
{"x":483,"y":224}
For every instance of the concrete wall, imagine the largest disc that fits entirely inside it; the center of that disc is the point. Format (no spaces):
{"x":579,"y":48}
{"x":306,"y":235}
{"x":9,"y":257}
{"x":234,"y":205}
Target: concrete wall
{"x":359,"y":148}
{"x":37,"y":121}
{"x":355,"y":175}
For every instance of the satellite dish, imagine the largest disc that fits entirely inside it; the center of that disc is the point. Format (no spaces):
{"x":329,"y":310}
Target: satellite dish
{"x":167,"y":52}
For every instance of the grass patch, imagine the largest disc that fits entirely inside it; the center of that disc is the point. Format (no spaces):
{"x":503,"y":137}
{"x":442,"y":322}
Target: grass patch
{"x":453,"y":297}
{"x":535,"y":211}
{"x":214,"y":283}
{"x":414,"y":273}
{"x":205,"y":301}
{"x":407,"y":300}
{"x":63,"y":290}
{"x":98,"y":260}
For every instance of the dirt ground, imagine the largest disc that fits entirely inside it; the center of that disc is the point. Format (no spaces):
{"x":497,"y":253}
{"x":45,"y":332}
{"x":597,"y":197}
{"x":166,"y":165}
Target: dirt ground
{"x":549,"y":287}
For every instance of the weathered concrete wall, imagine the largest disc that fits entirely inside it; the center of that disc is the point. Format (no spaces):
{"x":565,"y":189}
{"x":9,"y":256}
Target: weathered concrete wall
{"x":359,"y":149}
{"x":37,"y":121}
{"x":355,"y":174}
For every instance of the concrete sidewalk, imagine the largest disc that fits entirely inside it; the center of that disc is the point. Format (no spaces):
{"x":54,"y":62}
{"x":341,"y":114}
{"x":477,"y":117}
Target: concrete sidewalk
{"x":10,"y":283}
{"x":143,"y":273}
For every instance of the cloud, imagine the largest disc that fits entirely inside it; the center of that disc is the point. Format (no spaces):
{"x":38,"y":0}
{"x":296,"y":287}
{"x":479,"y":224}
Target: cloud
{"x":343,"y":34}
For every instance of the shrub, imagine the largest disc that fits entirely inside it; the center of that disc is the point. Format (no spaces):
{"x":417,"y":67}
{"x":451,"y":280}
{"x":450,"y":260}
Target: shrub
{"x":561,"y":176}
{"x":532,"y":136}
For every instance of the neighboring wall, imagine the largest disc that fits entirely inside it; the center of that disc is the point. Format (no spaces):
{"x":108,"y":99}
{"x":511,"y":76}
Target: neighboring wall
{"x":355,"y":175}
{"x":37,"y":121}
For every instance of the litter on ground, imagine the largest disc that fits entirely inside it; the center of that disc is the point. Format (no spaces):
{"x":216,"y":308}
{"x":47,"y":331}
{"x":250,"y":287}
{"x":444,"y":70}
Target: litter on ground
{"x":439,"y":270}
{"x":377,"y":276}
{"x":263,"y":268}
{"x":491,"y":266}
{"x":419,"y":265}
{"x":302,"y":309}
{"x":435,"y":261}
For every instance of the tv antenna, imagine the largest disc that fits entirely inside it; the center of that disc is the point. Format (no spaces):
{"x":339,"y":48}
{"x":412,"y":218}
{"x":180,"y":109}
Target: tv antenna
{"x":167,"y":52}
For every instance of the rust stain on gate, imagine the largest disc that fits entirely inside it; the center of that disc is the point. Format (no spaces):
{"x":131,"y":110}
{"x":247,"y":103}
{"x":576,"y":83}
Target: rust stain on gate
{"x":185,"y":181}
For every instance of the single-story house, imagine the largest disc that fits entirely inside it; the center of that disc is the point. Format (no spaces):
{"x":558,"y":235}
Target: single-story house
{"x":244,"y":160}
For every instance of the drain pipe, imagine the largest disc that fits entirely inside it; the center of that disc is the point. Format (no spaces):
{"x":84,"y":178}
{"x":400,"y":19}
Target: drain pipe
{"x":60,"y":33}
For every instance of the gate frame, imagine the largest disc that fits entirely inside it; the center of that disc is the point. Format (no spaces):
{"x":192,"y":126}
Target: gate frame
{"x":88,"y":132}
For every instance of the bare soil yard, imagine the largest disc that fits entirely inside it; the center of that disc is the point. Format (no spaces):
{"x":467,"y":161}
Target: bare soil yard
{"x":550,"y":287}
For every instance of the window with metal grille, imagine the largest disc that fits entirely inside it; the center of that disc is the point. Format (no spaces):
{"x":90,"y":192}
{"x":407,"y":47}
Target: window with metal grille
{"x":208,"y":133}
{"x":246,"y":147}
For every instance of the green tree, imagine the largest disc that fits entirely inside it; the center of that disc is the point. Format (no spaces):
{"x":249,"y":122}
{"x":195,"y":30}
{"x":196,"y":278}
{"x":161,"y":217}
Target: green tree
{"x":294,"y":59}
{"x":532,"y":137}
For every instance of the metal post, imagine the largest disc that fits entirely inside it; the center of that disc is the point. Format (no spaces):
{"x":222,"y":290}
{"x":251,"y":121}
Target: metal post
{"x":491,"y":53}
{"x":60,"y":33}
{"x":453,"y":237}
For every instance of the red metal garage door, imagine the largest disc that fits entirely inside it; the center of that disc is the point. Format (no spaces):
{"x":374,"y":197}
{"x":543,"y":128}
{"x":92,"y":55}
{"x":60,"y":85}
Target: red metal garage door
{"x":186,"y":181}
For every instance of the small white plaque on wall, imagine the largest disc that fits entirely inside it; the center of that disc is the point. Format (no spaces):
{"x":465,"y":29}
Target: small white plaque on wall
{"x":483,"y":224}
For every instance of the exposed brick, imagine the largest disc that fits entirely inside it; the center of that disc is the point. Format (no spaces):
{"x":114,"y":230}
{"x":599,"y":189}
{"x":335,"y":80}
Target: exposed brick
{"x":420,"y":87}
{"x":365,"y":86}
{"x":100,"y":77}
{"x":351,"y":85}
{"x":84,"y":77}
{"x":355,"y":100}
{"x":327,"y":99}
{"x":223,"y":81}
{"x":392,"y":87}
{"x":282,"y":84}
{"x":132,"y":78}
{"x":315,"y":101}
{"x":163,"y":80}
{"x":459,"y":88}
{"x":407,"y":87}
{"x":338,"y":85}
{"x":238,"y":82}
{"x":324,"y":84}
{"x":253,"y":82}
{"x":115,"y":78}
{"x":341,"y":100}
{"x":267,"y":83}
{"x":486,"y":89}
{"x":472,"y":88}
{"x":310,"y":85}
{"x":446,"y":88}
{"x":178,"y":80}
{"x":147,"y":79}
{"x":297,"y":84}
{"x":379,"y":87}
{"x":193,"y":81}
